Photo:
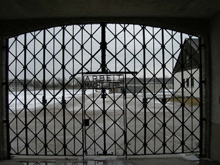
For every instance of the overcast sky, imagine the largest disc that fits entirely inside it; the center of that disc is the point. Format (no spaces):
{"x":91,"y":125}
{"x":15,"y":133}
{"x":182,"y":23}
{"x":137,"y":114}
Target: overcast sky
{"x":90,"y":37}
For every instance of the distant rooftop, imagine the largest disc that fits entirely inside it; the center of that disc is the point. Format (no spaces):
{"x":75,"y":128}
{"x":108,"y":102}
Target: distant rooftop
{"x":189,"y":55}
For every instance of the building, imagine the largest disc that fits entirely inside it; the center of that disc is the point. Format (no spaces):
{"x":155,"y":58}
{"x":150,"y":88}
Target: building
{"x":189,"y":56}
{"x":153,"y":85}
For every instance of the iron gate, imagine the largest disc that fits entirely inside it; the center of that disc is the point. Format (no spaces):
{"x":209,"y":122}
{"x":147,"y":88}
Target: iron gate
{"x":63,"y":98}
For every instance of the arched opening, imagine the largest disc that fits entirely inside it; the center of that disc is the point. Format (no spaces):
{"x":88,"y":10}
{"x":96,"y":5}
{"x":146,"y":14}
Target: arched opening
{"x":100,"y":89}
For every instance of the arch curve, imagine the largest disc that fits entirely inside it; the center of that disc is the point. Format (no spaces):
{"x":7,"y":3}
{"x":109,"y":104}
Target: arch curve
{"x":186,"y":25}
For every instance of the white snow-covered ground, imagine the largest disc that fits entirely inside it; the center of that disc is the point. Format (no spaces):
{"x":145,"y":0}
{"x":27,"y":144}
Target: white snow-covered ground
{"x":34,"y":98}
{"x":17,"y":100}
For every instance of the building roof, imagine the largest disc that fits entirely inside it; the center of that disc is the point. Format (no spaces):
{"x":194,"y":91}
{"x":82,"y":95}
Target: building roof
{"x":188,"y":56}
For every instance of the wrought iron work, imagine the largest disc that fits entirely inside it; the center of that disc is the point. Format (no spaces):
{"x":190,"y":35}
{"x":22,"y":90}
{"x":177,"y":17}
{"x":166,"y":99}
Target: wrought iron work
{"x":157,"y":109}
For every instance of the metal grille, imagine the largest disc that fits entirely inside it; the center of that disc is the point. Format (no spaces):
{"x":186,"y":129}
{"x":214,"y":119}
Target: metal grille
{"x":156,"y":109}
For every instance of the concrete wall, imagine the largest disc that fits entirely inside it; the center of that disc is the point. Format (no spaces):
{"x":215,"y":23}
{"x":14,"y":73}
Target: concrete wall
{"x":215,"y":104}
{"x":3,"y":117}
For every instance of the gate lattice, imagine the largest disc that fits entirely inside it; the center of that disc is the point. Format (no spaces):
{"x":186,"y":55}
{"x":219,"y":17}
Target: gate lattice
{"x":155,"y":110}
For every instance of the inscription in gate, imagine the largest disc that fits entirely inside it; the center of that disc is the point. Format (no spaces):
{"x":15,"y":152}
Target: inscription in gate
{"x":100,"y":81}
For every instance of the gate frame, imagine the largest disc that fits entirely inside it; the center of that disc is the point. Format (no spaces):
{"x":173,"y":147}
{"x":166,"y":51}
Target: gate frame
{"x":201,"y":95}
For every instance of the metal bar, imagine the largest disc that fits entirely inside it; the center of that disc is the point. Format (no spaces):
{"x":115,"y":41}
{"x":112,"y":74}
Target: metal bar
{"x":103,"y":49}
{"x":63,"y":86}
{"x":154,"y":72}
{"x":54,"y":112}
{"x":125,"y":91}
{"x":44,"y":92}
{"x":83,"y":118}
{"x":83,"y":99}
{"x":164,"y":96}
{"x":115,"y":47}
{"x":191,"y":91}
{"x":104,"y":123}
{"x":145,"y":98}
{"x":25,"y":92}
{"x":201,"y":98}
{"x":35,"y":110}
{"x":183,"y":86}
{"x":114,"y":92}
{"x":115,"y":132}
{"x":16,"y":92}
{"x":73,"y":69}
{"x":173,"y":55}
{"x":94,"y":126}
{"x":94,"y":130}
{"x":125,"y":118}
{"x":135,"y":99}
{"x":91,"y":48}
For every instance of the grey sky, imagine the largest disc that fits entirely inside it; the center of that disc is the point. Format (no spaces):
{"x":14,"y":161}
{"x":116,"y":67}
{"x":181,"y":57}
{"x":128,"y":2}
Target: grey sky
{"x":91,"y":45}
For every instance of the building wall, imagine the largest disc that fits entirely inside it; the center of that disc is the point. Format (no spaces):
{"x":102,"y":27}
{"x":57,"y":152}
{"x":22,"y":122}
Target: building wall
{"x":215,"y":89}
{"x":188,"y":89}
